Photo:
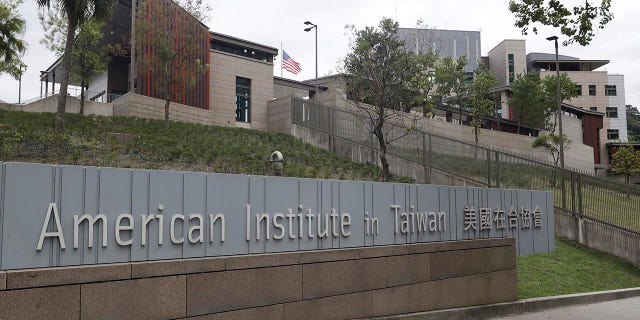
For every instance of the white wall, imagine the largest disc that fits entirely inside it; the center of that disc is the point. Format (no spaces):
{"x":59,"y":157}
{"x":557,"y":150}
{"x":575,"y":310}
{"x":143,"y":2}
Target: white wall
{"x":99,"y":84}
{"x":618,"y":101}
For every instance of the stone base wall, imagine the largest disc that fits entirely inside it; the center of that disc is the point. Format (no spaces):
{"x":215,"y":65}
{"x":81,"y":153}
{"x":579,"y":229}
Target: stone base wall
{"x":324,"y":284}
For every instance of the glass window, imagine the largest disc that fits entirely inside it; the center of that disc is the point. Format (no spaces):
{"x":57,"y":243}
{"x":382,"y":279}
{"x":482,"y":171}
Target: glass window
{"x":612,"y":134}
{"x":579,"y":89}
{"x":612,"y":112}
{"x":468,"y":78}
{"x":593,"y":108}
{"x":592,"y":89}
{"x":609,"y":90}
{"x":241,"y":51}
{"x":243,"y":99}
{"x":512,"y":74}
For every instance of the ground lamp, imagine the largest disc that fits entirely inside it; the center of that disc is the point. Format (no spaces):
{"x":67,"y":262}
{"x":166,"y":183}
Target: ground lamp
{"x":277,"y":162}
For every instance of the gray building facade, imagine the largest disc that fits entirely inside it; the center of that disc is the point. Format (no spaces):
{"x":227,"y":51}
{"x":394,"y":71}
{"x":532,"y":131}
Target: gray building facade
{"x":446,"y":43}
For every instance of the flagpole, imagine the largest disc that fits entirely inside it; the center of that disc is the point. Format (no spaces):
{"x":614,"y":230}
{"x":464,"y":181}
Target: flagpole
{"x":281,"y":55}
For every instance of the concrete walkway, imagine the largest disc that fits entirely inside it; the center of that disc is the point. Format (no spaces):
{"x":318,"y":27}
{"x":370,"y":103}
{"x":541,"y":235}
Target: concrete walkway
{"x":611,"y":304}
{"x":623,"y":309}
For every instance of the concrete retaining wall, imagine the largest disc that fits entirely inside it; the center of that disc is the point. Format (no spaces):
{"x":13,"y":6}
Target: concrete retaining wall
{"x":600,"y":237}
{"x":363,"y":154}
{"x":135,"y":105}
{"x":324,"y":284}
{"x":50,"y":104}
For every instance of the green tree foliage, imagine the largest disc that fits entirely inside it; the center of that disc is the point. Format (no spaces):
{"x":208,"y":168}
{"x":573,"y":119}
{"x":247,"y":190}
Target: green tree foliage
{"x":549,"y":88}
{"x":551,"y":144}
{"x":626,"y":161}
{"x":481,"y":101}
{"x":451,"y":81}
{"x":423,"y":81}
{"x":12,"y":27}
{"x":174,"y":37}
{"x":577,"y":23}
{"x":527,"y":100}
{"x":88,"y":60}
{"x":534,"y":100}
{"x":633,"y":123}
{"x":379,"y":73}
{"x":77,"y":13}
{"x":54,"y":22}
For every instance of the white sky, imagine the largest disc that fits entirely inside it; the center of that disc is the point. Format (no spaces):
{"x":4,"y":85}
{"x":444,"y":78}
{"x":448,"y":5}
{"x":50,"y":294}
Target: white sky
{"x":281,"y":21}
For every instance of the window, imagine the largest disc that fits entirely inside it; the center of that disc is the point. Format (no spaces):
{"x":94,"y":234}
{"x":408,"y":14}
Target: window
{"x":243,"y":99}
{"x":592,"y":89}
{"x":593,"y":108}
{"x":579,"y":89}
{"x":241,"y":51}
{"x":468,"y":78}
{"x":612,"y":112}
{"x":609,"y":90}
{"x":512,"y":74}
{"x":612,"y":134}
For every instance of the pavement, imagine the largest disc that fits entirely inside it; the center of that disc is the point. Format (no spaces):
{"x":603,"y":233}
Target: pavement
{"x":611,"y":304}
{"x":623,"y":309}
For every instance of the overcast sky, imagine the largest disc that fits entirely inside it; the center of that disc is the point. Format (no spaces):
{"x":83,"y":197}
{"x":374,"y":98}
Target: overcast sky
{"x":279,"y":22}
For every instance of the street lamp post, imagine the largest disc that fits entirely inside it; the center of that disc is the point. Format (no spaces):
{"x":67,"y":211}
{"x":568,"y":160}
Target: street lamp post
{"x":20,"y":83}
{"x":559,"y":102}
{"x":314,"y":26}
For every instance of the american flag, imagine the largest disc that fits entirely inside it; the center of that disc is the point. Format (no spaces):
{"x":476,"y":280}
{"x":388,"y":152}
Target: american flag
{"x":289,"y":64}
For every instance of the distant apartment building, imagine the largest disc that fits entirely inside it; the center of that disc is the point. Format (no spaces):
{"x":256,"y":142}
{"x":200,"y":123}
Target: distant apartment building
{"x":598,"y":93}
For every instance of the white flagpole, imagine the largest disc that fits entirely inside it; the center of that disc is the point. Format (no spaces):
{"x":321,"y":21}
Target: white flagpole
{"x":281,"y":55}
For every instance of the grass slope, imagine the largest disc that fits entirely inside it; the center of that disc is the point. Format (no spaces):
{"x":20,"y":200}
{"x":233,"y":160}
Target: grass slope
{"x":573,"y":268}
{"x":87,"y":141}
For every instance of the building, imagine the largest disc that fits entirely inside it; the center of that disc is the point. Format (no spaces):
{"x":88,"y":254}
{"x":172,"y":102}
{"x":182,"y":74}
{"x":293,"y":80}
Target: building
{"x":599,"y":93}
{"x":445,"y":43}
{"x":233,"y":91}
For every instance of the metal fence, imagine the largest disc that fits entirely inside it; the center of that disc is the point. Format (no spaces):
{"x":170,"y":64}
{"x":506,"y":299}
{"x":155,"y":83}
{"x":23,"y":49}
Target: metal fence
{"x":577,"y":193}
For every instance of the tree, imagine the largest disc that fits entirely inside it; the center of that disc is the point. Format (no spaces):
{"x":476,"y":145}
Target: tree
{"x":12,"y":27}
{"x":174,"y":37}
{"x":379,"y":70}
{"x":527,"y":100}
{"x":451,"y":81}
{"x":576,"y":24}
{"x":481,"y":101}
{"x":88,"y":60}
{"x":550,"y":98}
{"x":633,"y":123}
{"x":551,"y":144}
{"x":534,"y":101}
{"x":77,"y":13}
{"x":626,"y":161}
{"x":424,"y":81}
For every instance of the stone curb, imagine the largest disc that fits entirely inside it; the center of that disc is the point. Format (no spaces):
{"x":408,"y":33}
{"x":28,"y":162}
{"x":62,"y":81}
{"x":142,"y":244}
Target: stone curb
{"x":518,"y":307}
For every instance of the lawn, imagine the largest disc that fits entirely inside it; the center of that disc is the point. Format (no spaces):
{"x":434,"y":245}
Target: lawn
{"x":573,"y":268}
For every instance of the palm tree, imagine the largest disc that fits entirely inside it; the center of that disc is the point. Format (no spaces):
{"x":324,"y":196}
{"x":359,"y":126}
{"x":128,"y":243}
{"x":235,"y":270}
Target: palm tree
{"x":11,"y":46}
{"x":78,"y":12}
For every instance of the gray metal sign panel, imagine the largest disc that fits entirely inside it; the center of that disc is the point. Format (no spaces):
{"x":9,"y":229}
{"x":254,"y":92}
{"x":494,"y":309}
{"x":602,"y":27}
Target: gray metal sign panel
{"x":59,"y":215}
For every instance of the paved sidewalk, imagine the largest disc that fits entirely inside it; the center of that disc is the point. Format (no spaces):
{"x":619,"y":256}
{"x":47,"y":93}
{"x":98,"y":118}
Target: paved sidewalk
{"x":623,"y":309}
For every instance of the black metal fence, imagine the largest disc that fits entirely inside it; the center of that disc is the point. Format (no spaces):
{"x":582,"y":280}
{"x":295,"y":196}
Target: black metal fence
{"x":577,"y":193}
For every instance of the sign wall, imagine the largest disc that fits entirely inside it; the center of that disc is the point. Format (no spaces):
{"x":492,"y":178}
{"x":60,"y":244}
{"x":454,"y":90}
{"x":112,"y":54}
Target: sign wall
{"x":58,"y":215}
